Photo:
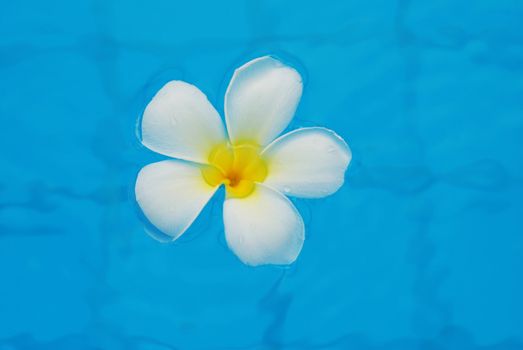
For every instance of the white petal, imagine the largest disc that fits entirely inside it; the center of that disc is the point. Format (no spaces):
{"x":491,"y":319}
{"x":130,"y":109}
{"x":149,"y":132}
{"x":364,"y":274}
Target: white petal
{"x":307,"y":162}
{"x":261,"y":100}
{"x":263,"y":228}
{"x":171,"y":194}
{"x":180,"y":122}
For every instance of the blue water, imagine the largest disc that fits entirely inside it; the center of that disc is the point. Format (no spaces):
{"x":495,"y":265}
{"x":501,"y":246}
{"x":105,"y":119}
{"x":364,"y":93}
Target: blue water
{"x":421,"y":249}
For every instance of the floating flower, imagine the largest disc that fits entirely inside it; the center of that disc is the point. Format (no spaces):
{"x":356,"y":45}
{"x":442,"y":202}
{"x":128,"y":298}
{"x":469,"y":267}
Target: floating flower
{"x":258,"y":170}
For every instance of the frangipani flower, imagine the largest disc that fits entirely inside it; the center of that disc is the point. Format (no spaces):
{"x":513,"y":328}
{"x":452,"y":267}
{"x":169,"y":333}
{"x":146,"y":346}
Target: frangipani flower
{"x":257,"y":168}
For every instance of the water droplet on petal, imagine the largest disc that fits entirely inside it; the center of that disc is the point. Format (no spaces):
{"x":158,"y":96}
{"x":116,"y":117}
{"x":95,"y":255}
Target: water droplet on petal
{"x":286,"y":189}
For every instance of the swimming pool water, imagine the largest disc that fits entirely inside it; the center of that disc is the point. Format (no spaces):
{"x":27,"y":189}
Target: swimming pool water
{"x":421,"y":249}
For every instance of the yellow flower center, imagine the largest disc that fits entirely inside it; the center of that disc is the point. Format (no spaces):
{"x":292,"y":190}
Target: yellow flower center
{"x":238,"y":167}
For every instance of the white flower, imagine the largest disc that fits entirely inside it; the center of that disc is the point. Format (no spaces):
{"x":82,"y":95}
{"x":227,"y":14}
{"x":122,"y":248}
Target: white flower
{"x":262,"y":226}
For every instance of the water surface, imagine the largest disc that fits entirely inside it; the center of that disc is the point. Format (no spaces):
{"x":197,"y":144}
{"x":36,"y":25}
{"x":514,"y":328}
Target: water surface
{"x":421,"y":249}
